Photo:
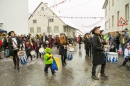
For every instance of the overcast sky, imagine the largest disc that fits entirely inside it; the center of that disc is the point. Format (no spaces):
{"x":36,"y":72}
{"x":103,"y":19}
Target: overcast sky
{"x":90,"y":8}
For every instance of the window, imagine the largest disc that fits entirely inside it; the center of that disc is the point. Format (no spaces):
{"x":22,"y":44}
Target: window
{"x":56,"y":29}
{"x":51,"y":20}
{"x":34,"y":21}
{"x":31,"y":30}
{"x":106,"y":25}
{"x":65,"y":29}
{"x":38,"y":29}
{"x":109,"y":22}
{"x":112,"y":20}
{"x":106,"y":12}
{"x":117,"y":17}
{"x":127,"y":12}
{"x":42,"y":8}
{"x":109,"y":5}
{"x":49,"y":29}
{"x":112,"y":2}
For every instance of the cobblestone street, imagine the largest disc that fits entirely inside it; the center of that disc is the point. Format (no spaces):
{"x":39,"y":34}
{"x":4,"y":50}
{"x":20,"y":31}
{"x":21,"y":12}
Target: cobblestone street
{"x":76,"y":73}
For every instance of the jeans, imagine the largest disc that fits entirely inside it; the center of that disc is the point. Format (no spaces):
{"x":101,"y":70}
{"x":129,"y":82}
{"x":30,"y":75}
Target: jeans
{"x":6,"y":52}
{"x":117,"y":47}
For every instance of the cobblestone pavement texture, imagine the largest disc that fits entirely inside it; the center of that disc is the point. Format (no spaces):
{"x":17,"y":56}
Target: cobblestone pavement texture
{"x":76,"y":73}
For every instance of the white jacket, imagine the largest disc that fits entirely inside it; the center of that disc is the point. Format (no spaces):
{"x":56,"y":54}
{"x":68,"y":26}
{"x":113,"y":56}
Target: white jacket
{"x":126,"y":53}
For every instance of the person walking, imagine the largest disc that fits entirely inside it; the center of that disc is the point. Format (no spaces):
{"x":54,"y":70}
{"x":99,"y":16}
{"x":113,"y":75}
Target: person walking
{"x":98,"y":54}
{"x":63,"y":48}
{"x":14,"y":45}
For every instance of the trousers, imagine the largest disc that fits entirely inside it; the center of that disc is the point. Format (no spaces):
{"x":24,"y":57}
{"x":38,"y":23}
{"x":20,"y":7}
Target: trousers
{"x":95,"y":67}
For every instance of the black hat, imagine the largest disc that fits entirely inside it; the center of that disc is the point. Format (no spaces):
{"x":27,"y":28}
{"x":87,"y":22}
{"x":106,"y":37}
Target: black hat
{"x":95,"y":28}
{"x":10,"y":33}
{"x":126,"y":29}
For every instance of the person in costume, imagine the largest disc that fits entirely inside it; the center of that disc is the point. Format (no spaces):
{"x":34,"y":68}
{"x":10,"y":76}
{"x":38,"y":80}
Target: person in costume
{"x":38,"y":46}
{"x":48,"y":59}
{"x":98,"y":53}
{"x":28,"y":49}
{"x":14,"y":45}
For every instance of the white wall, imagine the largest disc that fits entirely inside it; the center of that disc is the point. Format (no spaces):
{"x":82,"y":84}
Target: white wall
{"x":119,"y":5}
{"x":14,"y":15}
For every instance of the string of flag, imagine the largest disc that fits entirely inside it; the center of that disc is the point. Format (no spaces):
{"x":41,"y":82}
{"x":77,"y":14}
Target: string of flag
{"x":93,"y":24}
{"x":81,"y":17}
{"x":70,"y":17}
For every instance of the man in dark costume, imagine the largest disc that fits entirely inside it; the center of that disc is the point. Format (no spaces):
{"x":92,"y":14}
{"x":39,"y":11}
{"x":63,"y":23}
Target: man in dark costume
{"x":98,"y":53}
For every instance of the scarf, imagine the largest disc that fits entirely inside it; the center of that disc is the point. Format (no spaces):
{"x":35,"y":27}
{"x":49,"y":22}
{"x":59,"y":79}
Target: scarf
{"x":62,"y":40}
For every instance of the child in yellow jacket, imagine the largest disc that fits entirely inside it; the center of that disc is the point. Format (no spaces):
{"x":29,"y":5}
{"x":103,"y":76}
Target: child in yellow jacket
{"x":48,"y":59}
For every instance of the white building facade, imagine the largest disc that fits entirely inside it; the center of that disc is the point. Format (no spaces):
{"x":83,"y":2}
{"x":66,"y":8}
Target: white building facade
{"x":43,"y":18}
{"x":14,"y":16}
{"x":114,"y":10}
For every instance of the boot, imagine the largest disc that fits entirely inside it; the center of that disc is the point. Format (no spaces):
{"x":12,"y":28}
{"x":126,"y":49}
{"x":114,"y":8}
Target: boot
{"x":94,"y":77}
{"x":103,"y":75}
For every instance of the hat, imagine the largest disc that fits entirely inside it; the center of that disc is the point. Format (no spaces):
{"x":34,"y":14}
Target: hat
{"x":48,"y":50}
{"x":126,"y":29}
{"x":127,"y":45}
{"x":95,"y":28}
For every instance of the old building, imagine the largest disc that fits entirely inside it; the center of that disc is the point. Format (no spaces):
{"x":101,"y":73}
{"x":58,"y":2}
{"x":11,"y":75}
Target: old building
{"x":114,"y":10}
{"x":48,"y":21}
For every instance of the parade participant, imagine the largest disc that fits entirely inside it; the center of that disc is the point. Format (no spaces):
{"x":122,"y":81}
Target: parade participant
{"x":14,"y":45}
{"x":117,"y":41}
{"x":23,"y":45}
{"x":123,"y":40}
{"x":90,"y":47}
{"x":98,"y":54}
{"x":79,"y":41}
{"x":57,"y":41}
{"x":50,"y":40}
{"x":28,"y":49}
{"x":48,"y":59}
{"x":87,"y":43}
{"x":63,"y":48}
{"x":5,"y":45}
{"x":44,"y":39}
{"x":34,"y":45}
{"x":38,"y":46}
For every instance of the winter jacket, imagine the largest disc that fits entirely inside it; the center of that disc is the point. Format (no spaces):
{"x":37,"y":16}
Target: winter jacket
{"x":47,"y":60}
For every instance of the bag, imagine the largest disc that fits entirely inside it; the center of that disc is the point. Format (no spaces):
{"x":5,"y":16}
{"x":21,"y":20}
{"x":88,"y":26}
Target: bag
{"x":69,"y":56}
{"x":54,"y":65}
